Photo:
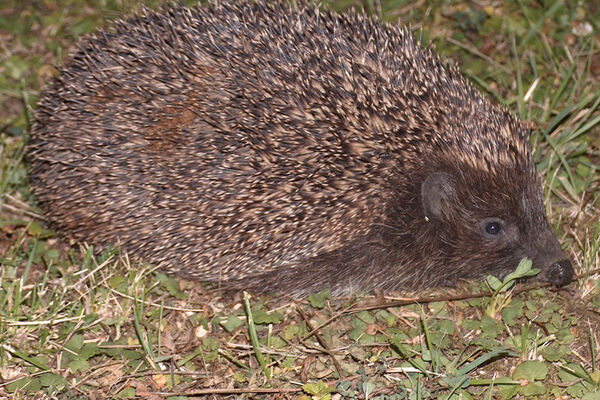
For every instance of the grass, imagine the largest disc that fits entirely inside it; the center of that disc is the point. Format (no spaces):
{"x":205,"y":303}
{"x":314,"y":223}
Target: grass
{"x":73,"y":325}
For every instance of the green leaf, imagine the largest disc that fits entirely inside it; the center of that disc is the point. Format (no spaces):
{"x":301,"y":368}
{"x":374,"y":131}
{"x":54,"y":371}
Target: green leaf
{"x":87,"y":351}
{"x":52,"y":254}
{"x":119,"y":283}
{"x":552,"y":354}
{"x":90,"y":318}
{"x":290,"y":331}
{"x":366,"y":317}
{"x":37,"y":231}
{"x":494,"y":282}
{"x":210,"y":343}
{"x":445,"y":327}
{"x":595,"y":377}
{"x":571,"y":372}
{"x":345,"y":389}
{"x":576,"y":390}
{"x":508,"y":391}
{"x":171,"y":285}
{"x":471,"y":324}
{"x":359,"y":331}
{"x":75,"y":343}
{"x":591,"y":396}
{"x":79,"y":365}
{"x":240,"y":377}
{"x":231,"y":323}
{"x":54,"y":380}
{"x":582,"y":169}
{"x":532,"y":370}
{"x":533,"y":389}
{"x":28,"y":383}
{"x":368,"y":388}
{"x":397,"y":344}
{"x":260,"y":317}
{"x":523,"y":270}
{"x":461,"y":395}
{"x":512,"y":313}
{"x":131,"y":354}
{"x":317,"y":300}
{"x":319,"y":389}
{"x":388,"y":318}
{"x":128,"y":393}
{"x":490,"y":328}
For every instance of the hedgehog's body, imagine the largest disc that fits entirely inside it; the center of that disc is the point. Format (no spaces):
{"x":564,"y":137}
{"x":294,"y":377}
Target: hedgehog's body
{"x":295,"y":150}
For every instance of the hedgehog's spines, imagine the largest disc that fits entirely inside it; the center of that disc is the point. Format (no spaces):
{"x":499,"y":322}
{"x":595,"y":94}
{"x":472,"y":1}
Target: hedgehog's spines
{"x":264,"y":143}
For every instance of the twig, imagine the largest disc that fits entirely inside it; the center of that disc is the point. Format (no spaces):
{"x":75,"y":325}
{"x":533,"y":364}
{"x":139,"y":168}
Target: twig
{"x":322,"y":341}
{"x":426,"y":300}
{"x":204,"y":392}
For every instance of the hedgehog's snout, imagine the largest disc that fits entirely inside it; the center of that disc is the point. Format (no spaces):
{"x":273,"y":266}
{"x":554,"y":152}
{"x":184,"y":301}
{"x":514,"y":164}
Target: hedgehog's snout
{"x":560,"y":273}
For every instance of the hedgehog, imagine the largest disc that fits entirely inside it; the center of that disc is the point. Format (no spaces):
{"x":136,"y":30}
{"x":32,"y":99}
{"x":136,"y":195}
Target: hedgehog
{"x":285,"y":148}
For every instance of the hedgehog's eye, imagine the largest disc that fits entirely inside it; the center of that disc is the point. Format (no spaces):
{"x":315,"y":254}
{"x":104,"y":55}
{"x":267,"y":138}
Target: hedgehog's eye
{"x":492,"y":227}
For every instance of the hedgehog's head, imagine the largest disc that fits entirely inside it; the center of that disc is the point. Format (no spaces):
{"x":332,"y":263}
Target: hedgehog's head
{"x":487,"y":221}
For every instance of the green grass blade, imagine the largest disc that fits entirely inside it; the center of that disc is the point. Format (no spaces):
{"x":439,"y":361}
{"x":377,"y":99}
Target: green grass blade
{"x":254,"y":336}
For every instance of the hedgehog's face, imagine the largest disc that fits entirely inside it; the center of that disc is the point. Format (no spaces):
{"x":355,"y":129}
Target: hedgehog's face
{"x":488,"y":225}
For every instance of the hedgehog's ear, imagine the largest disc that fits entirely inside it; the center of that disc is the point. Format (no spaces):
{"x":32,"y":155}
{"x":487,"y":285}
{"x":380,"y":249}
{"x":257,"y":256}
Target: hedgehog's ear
{"x":436,"y":190}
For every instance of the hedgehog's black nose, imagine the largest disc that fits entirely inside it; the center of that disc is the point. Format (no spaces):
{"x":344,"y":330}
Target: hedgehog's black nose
{"x":560,"y":273}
